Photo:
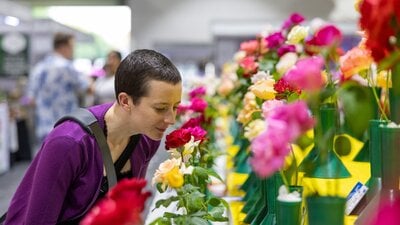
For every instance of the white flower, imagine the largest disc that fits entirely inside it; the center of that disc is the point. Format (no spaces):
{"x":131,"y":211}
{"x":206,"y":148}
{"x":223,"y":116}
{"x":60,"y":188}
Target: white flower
{"x":316,"y":24}
{"x":239,"y":56}
{"x":174,"y":153}
{"x":261,"y":75}
{"x":286,"y":62}
{"x":285,"y":196}
{"x":189,"y":148}
{"x":254,"y":128}
{"x":186,"y":170}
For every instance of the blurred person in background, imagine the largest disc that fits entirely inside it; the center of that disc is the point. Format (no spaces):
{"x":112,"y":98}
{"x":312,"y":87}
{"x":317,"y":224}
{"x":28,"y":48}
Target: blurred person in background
{"x":104,"y":86}
{"x":55,"y":86}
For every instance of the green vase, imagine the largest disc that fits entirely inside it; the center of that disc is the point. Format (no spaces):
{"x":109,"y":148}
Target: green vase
{"x":325,"y":210}
{"x":394,"y":95}
{"x":325,"y":163}
{"x":273,"y":184}
{"x":374,"y":183}
{"x":390,"y":173}
{"x":288,"y":213}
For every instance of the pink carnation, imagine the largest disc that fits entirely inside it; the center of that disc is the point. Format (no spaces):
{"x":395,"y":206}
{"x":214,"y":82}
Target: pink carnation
{"x":198,"y":92}
{"x":269,"y":105}
{"x":266,"y":159}
{"x":198,"y":133}
{"x":198,"y":104}
{"x":296,"y":116}
{"x":307,"y":74}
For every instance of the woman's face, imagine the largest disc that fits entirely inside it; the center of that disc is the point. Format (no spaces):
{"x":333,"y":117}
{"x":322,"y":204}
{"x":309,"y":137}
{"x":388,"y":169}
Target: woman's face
{"x":157,"y":110}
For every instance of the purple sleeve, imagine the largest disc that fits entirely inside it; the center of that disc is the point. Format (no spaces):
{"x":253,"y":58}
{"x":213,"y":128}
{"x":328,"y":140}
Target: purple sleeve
{"x":56,"y":168}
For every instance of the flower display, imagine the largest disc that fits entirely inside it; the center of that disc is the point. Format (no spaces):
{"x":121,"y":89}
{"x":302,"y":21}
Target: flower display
{"x":122,"y":205}
{"x":187,"y":173}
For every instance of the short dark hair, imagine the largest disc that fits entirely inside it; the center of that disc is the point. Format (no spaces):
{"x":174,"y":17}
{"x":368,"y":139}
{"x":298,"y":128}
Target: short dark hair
{"x":61,"y":39}
{"x":140,"y":67}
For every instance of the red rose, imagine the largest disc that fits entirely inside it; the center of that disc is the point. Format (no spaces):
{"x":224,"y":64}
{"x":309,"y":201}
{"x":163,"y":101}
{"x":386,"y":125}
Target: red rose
{"x":376,"y":19}
{"x":121,"y":206}
{"x":177,"y":138}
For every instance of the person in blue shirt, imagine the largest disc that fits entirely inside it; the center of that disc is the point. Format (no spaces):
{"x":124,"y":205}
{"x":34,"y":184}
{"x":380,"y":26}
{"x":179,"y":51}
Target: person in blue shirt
{"x":55,"y":85}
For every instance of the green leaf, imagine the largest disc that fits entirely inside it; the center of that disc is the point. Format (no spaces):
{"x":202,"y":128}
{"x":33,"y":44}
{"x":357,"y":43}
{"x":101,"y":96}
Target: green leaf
{"x":389,"y":61}
{"x":358,"y":107}
{"x":214,"y":201}
{"x":211,"y":172}
{"x":198,"y":221}
{"x":161,"y":221}
{"x":159,"y":188}
{"x":240,"y":72}
{"x":217,"y":214}
{"x":195,"y":201}
{"x":166,"y":202}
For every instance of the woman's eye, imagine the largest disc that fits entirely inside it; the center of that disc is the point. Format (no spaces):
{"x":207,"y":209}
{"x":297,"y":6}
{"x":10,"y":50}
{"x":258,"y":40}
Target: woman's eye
{"x":161,"y":109}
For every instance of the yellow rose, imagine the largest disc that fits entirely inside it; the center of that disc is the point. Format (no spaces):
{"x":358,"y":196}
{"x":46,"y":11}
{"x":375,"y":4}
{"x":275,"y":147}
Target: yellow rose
{"x":382,"y":79}
{"x":254,"y":128}
{"x":264,"y":89}
{"x":165,"y":168}
{"x":174,"y":178}
{"x":297,"y":34}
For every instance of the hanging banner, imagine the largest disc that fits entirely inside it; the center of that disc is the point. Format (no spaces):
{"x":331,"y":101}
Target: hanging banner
{"x":14,"y":54}
{"x":4,"y":128}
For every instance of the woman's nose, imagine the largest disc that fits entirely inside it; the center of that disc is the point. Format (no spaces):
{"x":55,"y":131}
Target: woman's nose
{"x":170,"y":118}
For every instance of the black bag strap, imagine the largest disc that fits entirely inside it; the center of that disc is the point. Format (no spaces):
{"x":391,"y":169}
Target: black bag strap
{"x":89,"y":123}
{"x":126,"y":154}
{"x":3,"y":218}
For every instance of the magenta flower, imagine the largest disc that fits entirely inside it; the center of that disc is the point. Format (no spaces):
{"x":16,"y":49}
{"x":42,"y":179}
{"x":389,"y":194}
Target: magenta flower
{"x":275,"y":40}
{"x":328,"y":35}
{"x":285,"y":49}
{"x":182,"y":109}
{"x":198,"y":92}
{"x":307,"y":74}
{"x":193,"y":122}
{"x":293,"y":20}
{"x":198,"y":133}
{"x":198,"y":104}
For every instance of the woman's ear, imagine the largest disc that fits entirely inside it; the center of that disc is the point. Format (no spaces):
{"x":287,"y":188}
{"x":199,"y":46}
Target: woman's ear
{"x":125,"y":101}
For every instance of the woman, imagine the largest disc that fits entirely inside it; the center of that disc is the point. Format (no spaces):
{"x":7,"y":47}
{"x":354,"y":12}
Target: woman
{"x":67,"y":177}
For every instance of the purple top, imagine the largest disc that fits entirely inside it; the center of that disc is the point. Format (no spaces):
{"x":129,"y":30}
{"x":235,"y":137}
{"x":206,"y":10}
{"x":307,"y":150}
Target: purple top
{"x":64,"y":179}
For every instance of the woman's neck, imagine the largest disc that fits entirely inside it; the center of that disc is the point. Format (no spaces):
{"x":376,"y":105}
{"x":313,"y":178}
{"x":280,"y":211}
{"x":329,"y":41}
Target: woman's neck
{"x":118,"y":130}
